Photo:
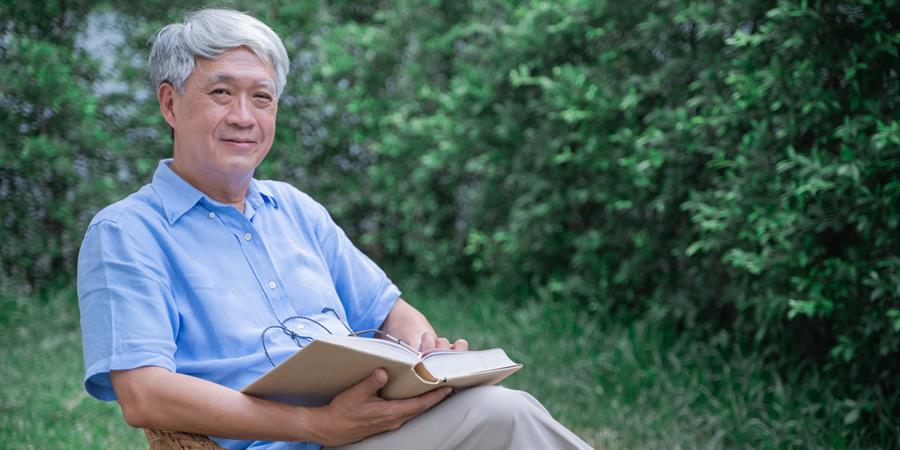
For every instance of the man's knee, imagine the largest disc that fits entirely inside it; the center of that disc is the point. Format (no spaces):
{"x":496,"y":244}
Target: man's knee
{"x":500,"y":406}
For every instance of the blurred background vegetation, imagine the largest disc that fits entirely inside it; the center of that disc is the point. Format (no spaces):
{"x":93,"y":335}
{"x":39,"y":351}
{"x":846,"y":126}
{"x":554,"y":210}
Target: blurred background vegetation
{"x":724,"y":170}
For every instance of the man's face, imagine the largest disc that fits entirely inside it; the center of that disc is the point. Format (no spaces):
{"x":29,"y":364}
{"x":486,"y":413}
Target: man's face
{"x":225,"y":120}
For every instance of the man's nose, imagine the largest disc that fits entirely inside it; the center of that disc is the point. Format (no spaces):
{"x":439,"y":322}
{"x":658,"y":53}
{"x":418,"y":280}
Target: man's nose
{"x":239,"y":114}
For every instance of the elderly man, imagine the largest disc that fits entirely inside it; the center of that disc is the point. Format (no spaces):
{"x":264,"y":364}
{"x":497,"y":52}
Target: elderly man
{"x":178,"y":282}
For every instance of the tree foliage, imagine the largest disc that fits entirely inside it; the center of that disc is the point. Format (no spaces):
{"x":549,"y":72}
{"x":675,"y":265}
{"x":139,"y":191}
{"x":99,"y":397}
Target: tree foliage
{"x":732,"y":165}
{"x":52,"y":141}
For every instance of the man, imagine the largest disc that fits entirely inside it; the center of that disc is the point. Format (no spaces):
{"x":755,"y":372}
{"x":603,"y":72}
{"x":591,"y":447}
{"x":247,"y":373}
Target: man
{"x":179,"y":283}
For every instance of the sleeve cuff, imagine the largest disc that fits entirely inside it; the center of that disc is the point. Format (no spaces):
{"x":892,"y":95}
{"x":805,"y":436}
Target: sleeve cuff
{"x":96,"y":379}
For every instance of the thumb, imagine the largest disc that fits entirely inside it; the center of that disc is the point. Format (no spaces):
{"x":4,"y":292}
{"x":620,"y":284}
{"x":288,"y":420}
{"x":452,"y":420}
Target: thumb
{"x":374,"y":382}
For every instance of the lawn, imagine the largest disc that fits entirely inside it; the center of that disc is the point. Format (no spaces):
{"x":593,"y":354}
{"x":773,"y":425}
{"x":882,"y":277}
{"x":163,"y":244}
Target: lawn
{"x":618,"y":385}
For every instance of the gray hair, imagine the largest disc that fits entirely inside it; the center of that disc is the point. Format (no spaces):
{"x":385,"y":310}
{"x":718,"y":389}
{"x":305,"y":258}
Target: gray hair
{"x":208,"y":33}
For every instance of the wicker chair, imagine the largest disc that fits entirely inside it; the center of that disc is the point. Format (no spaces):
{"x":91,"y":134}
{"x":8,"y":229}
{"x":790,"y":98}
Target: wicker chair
{"x":173,"y":440}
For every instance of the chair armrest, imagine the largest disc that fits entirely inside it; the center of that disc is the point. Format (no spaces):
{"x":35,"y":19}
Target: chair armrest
{"x":174,"y":440}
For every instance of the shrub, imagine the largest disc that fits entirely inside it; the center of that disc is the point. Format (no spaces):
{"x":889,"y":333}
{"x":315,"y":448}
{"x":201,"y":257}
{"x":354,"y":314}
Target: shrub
{"x":732,"y":165}
{"x":729,"y":165}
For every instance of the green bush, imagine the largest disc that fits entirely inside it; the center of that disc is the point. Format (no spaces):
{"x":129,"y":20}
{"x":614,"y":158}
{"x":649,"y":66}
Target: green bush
{"x":729,"y":165}
{"x":51,"y":143}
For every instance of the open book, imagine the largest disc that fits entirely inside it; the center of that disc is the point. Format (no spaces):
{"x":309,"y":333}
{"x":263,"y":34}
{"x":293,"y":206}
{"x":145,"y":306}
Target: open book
{"x":330,"y":364}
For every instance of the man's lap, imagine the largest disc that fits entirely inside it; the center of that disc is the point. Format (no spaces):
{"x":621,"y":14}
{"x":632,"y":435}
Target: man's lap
{"x":483,"y":417}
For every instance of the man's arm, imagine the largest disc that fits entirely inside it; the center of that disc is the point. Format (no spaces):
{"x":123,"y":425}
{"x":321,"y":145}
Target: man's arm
{"x":154,"y":397}
{"x":409,"y":325}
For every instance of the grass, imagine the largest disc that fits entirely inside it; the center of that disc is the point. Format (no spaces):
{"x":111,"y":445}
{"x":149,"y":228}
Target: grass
{"x":639,"y":384}
{"x":618,"y":385}
{"x":43,"y":403}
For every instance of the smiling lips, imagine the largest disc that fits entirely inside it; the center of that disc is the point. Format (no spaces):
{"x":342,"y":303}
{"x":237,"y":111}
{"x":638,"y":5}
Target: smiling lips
{"x":240,"y":140}
{"x":240,"y":144}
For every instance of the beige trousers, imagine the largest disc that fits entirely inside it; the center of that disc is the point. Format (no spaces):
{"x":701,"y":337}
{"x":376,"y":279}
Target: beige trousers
{"x":482,"y":418}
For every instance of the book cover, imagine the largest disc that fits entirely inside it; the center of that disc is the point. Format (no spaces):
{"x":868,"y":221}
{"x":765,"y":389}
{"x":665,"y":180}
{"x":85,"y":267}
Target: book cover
{"x":329,"y":365}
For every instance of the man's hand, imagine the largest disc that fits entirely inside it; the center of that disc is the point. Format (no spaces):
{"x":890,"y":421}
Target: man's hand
{"x":431,"y":342}
{"x":410,"y":326}
{"x":359,"y":412}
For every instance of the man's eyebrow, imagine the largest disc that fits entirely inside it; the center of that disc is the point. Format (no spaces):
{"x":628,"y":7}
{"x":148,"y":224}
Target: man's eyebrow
{"x":225,"y":78}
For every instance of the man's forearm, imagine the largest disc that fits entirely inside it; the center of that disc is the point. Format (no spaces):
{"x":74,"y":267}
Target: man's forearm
{"x":406,"y":323}
{"x":153,"y":397}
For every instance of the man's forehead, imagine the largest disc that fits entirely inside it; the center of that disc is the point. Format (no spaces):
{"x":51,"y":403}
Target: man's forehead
{"x":236,"y":66}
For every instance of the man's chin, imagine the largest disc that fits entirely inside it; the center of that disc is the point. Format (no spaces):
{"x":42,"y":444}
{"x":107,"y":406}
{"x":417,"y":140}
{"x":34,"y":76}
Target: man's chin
{"x":241,"y":163}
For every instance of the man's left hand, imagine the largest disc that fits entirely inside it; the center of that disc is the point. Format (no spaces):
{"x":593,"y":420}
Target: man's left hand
{"x":431,"y":342}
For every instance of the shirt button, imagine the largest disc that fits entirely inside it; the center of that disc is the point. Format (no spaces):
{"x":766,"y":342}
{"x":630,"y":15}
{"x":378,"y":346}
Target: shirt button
{"x":273,"y":285}
{"x":212,"y":215}
{"x":248,"y":236}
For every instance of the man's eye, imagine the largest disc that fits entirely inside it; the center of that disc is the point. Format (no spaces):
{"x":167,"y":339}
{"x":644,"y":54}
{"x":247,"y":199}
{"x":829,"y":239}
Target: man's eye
{"x":262,"y":100}
{"x":219,"y":91}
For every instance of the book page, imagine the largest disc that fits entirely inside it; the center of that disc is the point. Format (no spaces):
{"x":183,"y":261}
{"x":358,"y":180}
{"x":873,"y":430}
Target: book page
{"x":450,"y":364}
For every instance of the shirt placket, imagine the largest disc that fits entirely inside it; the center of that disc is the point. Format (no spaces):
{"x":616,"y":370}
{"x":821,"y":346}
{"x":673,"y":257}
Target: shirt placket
{"x":257,"y":256}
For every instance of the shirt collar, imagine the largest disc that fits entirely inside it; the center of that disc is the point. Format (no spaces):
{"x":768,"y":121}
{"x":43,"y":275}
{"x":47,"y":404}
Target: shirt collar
{"x":178,"y":196}
{"x":260,"y":190}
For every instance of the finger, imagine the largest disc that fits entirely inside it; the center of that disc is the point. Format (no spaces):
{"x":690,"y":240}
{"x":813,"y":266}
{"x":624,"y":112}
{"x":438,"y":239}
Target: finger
{"x":443,"y":343}
{"x":461,"y":345}
{"x":429,"y":341}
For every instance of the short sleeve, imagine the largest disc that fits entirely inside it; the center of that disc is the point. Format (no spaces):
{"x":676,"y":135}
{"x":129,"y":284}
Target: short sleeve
{"x":128,"y":314}
{"x":366,"y":292}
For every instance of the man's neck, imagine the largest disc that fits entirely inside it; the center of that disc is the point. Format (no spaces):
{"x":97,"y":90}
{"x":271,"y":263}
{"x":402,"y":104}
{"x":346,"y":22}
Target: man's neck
{"x":229,"y":191}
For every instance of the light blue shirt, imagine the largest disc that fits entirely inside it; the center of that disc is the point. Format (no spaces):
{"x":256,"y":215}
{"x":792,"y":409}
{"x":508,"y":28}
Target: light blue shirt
{"x":169,"y":277}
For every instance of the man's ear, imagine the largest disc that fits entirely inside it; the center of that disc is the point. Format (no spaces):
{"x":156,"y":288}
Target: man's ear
{"x":165,"y":94}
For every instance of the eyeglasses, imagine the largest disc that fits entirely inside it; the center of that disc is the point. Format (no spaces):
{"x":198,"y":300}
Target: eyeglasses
{"x":302,"y":340}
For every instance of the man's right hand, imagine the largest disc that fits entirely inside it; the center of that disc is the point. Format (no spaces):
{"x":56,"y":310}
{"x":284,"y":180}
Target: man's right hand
{"x":359,"y":412}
